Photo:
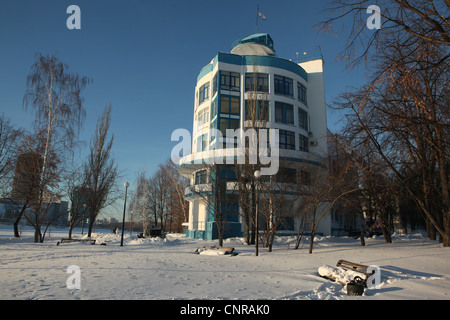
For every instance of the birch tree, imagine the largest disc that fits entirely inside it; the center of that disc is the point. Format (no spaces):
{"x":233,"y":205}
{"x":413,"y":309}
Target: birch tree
{"x":54,"y":94}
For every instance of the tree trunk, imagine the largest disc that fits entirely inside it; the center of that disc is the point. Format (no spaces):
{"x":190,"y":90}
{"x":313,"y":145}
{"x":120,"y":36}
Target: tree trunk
{"x":311,"y":242}
{"x":16,"y":223}
{"x":246,"y":226}
{"x":363,"y":229}
{"x":91,"y":225}
{"x":313,"y":232}
{"x":70,"y":230}
{"x":301,"y":228}
{"x":431,"y":230}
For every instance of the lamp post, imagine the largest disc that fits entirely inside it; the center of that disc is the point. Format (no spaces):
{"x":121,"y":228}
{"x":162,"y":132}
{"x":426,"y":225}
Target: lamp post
{"x":126,"y":185}
{"x":257,"y":175}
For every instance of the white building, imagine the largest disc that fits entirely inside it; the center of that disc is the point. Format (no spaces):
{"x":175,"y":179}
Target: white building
{"x":294,"y":103}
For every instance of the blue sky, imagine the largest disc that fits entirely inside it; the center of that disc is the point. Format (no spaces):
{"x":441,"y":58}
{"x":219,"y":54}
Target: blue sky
{"x":144,"y":57}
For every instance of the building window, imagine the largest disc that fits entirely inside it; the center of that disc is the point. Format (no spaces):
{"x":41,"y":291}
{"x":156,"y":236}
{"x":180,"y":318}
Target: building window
{"x":261,"y":79}
{"x":202,"y":143}
{"x":229,"y":105}
{"x":303,"y":143}
{"x":201,"y":177}
{"x":213,"y":126}
{"x":283,"y":86}
{"x":203,"y":93}
{"x":301,"y":93}
{"x":286,"y":175}
{"x":226,"y":172}
{"x":257,"y":110}
{"x":302,"y":119}
{"x":213,"y":109}
{"x":287,"y":140}
{"x":227,"y":123}
{"x":304,"y":178}
{"x":201,"y":118}
{"x":230,"y":81}
{"x":215,"y":85}
{"x":284,"y":113}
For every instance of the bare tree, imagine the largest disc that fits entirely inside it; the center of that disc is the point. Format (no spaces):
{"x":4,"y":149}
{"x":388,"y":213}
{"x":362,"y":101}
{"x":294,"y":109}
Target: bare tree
{"x":100,"y":169}
{"x":320,"y":190}
{"x":8,"y":145}
{"x":276,"y":201}
{"x":403,"y":110}
{"x":404,"y":116}
{"x":55,"y":94}
{"x":161,"y":185}
{"x":415,"y":20}
{"x":26,"y":180}
{"x":78,"y":195}
{"x":179,"y":208}
{"x":142,"y":198}
{"x":256,"y":117}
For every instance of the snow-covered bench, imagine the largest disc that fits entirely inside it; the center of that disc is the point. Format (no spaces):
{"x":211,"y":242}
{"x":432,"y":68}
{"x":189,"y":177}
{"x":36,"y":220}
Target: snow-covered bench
{"x":353,"y":267}
{"x":213,"y":250}
{"x":91,"y":241}
{"x":345,"y":272}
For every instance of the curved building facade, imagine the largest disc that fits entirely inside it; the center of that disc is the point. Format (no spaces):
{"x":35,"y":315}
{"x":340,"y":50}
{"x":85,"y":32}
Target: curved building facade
{"x":251,"y":87}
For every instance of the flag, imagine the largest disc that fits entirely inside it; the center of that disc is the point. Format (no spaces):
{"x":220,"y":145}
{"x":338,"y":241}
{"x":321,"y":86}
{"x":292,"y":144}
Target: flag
{"x":261,"y":15}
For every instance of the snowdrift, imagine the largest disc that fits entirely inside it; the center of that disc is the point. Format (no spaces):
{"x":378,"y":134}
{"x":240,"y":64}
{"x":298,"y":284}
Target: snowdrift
{"x":339,"y":275}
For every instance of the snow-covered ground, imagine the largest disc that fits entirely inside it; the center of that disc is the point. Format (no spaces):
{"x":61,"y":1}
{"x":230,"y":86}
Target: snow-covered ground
{"x":412,"y":267}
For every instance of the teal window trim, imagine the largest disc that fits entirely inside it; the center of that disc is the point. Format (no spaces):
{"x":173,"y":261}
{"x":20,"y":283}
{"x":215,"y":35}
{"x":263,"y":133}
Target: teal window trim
{"x":302,"y":93}
{"x":213,"y":125}
{"x":229,"y":100}
{"x":303,"y":143}
{"x":283,"y":86}
{"x":228,"y":123}
{"x":262,"y":82}
{"x":203,"y":93}
{"x":259,"y":105}
{"x":230,"y":81}
{"x":202,"y":142}
{"x":215,"y":84}
{"x":284,"y":113}
{"x":287,"y":140}
{"x":214,"y":108}
{"x":201,"y":177}
{"x":303,"y":119}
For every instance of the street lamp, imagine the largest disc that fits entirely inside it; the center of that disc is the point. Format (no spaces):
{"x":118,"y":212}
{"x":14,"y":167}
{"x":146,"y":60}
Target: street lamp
{"x":126,"y":185}
{"x":257,"y":176}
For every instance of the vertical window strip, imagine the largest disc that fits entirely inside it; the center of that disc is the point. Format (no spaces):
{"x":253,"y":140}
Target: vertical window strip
{"x":283,"y":86}
{"x":230,"y":81}
{"x":303,"y":119}
{"x":284,"y":113}
{"x":261,"y":112}
{"x":262,"y":82}
{"x":287,"y":140}
{"x":303,"y":143}
{"x":203,"y":93}
{"x":229,"y":105}
{"x":301,"y":93}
